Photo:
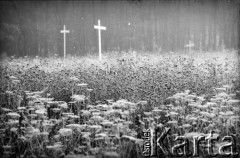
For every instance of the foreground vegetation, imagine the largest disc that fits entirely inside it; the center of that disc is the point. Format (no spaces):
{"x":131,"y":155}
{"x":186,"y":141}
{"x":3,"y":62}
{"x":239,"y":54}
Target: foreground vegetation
{"x":75,"y":107}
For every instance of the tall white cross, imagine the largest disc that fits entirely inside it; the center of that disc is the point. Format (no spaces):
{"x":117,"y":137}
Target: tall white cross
{"x":99,"y":27}
{"x":189,"y":45}
{"x":64,"y":31}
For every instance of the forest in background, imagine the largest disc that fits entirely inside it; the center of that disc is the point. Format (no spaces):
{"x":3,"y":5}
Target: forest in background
{"x":33,"y":27}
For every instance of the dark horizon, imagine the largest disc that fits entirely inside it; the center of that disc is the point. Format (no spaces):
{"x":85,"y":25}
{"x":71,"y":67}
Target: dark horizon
{"x":33,"y":27}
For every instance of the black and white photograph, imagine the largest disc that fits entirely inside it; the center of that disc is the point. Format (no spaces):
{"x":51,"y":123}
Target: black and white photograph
{"x":120,"y":79}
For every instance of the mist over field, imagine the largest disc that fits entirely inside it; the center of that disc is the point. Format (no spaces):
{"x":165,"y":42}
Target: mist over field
{"x":33,"y":27}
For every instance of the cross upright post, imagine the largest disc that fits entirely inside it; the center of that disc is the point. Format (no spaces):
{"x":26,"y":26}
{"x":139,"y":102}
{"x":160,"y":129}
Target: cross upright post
{"x":99,"y":27}
{"x":64,"y":31}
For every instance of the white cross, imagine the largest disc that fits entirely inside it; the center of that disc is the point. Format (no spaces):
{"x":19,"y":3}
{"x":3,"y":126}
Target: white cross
{"x":99,"y":27}
{"x":64,"y":31}
{"x":190,"y":45}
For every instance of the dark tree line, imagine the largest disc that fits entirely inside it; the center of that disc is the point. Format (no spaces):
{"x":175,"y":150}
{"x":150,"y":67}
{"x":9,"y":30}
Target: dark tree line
{"x":33,"y":27}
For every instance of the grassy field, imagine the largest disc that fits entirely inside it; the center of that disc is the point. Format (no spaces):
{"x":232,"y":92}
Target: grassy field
{"x":131,"y":77}
{"x":80,"y":106}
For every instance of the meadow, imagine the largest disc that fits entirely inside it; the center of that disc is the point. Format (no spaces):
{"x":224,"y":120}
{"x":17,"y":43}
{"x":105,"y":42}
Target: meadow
{"x":80,"y":107}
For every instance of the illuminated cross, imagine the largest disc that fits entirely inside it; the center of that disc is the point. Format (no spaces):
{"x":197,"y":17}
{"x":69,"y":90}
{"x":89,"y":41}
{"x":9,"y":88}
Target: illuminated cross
{"x":190,"y":45}
{"x":99,"y":27}
{"x":64,"y":31}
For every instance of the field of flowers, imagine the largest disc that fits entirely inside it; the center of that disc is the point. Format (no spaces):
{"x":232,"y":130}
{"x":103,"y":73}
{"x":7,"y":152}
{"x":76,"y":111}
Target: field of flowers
{"x":75,"y":107}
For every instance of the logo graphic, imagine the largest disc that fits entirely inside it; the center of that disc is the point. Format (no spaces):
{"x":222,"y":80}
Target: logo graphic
{"x":155,"y":141}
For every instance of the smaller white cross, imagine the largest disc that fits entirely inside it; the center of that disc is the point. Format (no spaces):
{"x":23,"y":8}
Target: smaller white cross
{"x":189,"y":45}
{"x":64,"y":31}
{"x":99,"y":27}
